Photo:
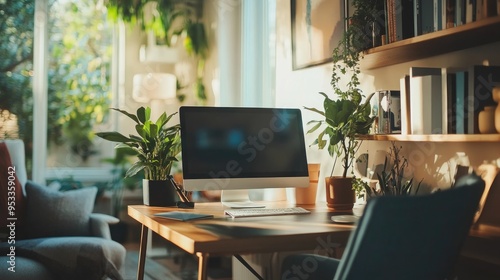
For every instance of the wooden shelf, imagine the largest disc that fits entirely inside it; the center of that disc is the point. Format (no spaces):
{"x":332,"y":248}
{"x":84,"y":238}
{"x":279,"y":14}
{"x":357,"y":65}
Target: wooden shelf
{"x":444,"y":41}
{"x":433,"y":137}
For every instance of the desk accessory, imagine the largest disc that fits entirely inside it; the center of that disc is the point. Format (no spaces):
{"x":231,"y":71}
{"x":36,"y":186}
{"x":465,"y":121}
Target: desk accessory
{"x":345,"y":219}
{"x":183,"y":216}
{"x":184,"y":203}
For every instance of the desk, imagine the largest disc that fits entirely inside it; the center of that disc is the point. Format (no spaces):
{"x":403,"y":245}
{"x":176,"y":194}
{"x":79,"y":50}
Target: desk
{"x":225,"y":236}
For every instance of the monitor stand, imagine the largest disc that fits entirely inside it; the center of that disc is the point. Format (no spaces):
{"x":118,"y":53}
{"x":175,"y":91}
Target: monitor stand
{"x":238,"y":199}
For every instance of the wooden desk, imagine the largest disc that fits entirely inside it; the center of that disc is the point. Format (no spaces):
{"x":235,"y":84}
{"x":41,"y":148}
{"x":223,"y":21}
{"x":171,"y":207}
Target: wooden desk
{"x":226,"y":236}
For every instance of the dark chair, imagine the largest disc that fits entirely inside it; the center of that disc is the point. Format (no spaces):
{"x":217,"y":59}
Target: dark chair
{"x":405,"y":237}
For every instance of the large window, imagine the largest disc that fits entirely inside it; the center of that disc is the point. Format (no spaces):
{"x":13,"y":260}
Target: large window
{"x":16,"y":71}
{"x":56,"y":58}
{"x":80,"y":44}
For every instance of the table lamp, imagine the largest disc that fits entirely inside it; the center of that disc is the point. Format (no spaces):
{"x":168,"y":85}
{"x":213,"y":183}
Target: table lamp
{"x":156,"y":89}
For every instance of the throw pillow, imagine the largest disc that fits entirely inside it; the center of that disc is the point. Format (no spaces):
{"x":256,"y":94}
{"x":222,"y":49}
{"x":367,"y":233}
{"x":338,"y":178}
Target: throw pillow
{"x":11,"y":194}
{"x":53,"y":213}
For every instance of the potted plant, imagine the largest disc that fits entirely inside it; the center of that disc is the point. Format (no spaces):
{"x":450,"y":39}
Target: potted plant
{"x":346,"y":116}
{"x":156,"y":147}
{"x":391,"y":180}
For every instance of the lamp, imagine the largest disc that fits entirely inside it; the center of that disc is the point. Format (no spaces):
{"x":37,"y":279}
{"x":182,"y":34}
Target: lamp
{"x":154,"y":88}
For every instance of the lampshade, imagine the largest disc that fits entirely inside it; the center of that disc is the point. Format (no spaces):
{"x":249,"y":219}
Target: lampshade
{"x":154,"y":86}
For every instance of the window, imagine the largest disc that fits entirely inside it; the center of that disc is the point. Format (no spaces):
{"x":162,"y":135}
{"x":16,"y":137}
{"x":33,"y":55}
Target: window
{"x":55,"y":76}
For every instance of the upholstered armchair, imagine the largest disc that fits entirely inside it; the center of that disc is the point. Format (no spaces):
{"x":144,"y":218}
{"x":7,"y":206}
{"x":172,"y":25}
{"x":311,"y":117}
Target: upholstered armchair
{"x":49,"y":234}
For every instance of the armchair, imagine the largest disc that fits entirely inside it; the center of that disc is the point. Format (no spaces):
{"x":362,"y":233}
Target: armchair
{"x":410,"y":237}
{"x":55,"y":235}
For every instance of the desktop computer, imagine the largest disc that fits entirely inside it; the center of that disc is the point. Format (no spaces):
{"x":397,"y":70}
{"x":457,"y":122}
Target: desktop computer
{"x":235,"y":149}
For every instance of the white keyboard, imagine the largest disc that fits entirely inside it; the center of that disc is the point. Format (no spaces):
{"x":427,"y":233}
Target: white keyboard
{"x":256,"y":212}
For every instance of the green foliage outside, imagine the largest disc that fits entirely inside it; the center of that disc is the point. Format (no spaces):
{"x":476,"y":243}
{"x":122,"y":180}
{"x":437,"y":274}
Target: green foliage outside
{"x":80,"y":48}
{"x":16,"y":66}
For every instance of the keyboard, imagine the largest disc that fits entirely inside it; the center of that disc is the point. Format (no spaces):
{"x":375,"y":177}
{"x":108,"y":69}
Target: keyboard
{"x":257,"y":212}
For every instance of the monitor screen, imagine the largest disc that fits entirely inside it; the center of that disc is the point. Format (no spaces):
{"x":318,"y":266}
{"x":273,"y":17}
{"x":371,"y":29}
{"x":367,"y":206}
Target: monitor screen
{"x":242,"y":148}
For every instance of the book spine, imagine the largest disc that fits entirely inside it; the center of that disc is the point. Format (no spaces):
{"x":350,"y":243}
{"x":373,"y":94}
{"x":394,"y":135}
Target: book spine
{"x":479,"y":9}
{"x":437,"y":5}
{"x":426,"y":102}
{"x":392,"y":22}
{"x":404,"y":88}
{"x":450,"y":13}
{"x":443,"y":14}
{"x":444,"y":102}
{"x":407,"y":17}
{"x":468,"y":11}
{"x":427,"y":16}
{"x":460,"y":102}
{"x":458,"y":12}
{"x":398,"y":19}
{"x":451,"y":95}
{"x":417,"y":17}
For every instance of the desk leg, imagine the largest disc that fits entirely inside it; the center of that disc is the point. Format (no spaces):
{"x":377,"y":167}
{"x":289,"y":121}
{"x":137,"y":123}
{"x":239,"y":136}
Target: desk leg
{"x":142,"y":252}
{"x":202,"y":266}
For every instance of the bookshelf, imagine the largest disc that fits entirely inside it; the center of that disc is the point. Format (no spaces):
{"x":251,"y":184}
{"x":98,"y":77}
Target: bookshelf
{"x":462,"y":138}
{"x":443,"y":41}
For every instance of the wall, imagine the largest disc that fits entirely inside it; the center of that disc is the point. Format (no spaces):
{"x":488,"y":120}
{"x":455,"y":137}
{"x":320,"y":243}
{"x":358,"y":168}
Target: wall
{"x":432,"y":162}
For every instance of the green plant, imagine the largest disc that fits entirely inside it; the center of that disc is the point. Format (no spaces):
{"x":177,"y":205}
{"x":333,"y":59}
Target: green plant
{"x":344,"y":119}
{"x":391,"y":179}
{"x":346,"y":116}
{"x":156,"y":146}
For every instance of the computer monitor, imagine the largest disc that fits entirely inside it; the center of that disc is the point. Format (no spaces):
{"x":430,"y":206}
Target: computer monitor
{"x":235,"y":149}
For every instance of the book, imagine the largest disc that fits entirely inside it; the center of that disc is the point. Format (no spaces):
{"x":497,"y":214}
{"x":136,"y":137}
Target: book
{"x":417,"y":17}
{"x":183,"y":216}
{"x":380,"y":25}
{"x":426,"y":100}
{"x":460,"y":102}
{"x":404,"y":88}
{"x":438,"y":23}
{"x":449,"y":90}
{"x":427,"y":16}
{"x":481,"y":80}
{"x":389,"y":111}
{"x":450,"y":13}
{"x":459,"y":12}
{"x":403,"y":10}
{"x":391,"y":21}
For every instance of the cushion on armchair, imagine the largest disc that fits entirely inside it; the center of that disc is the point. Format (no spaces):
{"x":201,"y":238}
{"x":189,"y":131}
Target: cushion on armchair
{"x":72,"y":257}
{"x":53,"y":213}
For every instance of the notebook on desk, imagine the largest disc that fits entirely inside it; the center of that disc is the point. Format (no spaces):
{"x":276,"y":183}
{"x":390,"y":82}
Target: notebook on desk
{"x":183,"y":216}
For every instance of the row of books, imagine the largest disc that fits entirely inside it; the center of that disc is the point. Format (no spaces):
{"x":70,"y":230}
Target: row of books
{"x":445,"y":100}
{"x":408,"y":18}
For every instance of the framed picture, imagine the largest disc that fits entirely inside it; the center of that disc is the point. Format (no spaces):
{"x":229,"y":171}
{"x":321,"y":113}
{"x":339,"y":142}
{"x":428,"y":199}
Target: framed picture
{"x":317,"y":27}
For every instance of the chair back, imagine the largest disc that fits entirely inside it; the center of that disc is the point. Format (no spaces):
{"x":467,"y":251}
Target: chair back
{"x":412,"y":237}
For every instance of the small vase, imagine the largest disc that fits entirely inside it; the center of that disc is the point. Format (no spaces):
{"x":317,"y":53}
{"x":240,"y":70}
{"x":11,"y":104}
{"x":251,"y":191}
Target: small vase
{"x":308,"y":195}
{"x":496,"y":97}
{"x":486,"y":120}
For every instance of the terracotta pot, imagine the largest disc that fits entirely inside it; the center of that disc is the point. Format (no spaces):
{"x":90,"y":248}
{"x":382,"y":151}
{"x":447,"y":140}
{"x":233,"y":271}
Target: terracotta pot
{"x":159,"y":193}
{"x":339,"y":193}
